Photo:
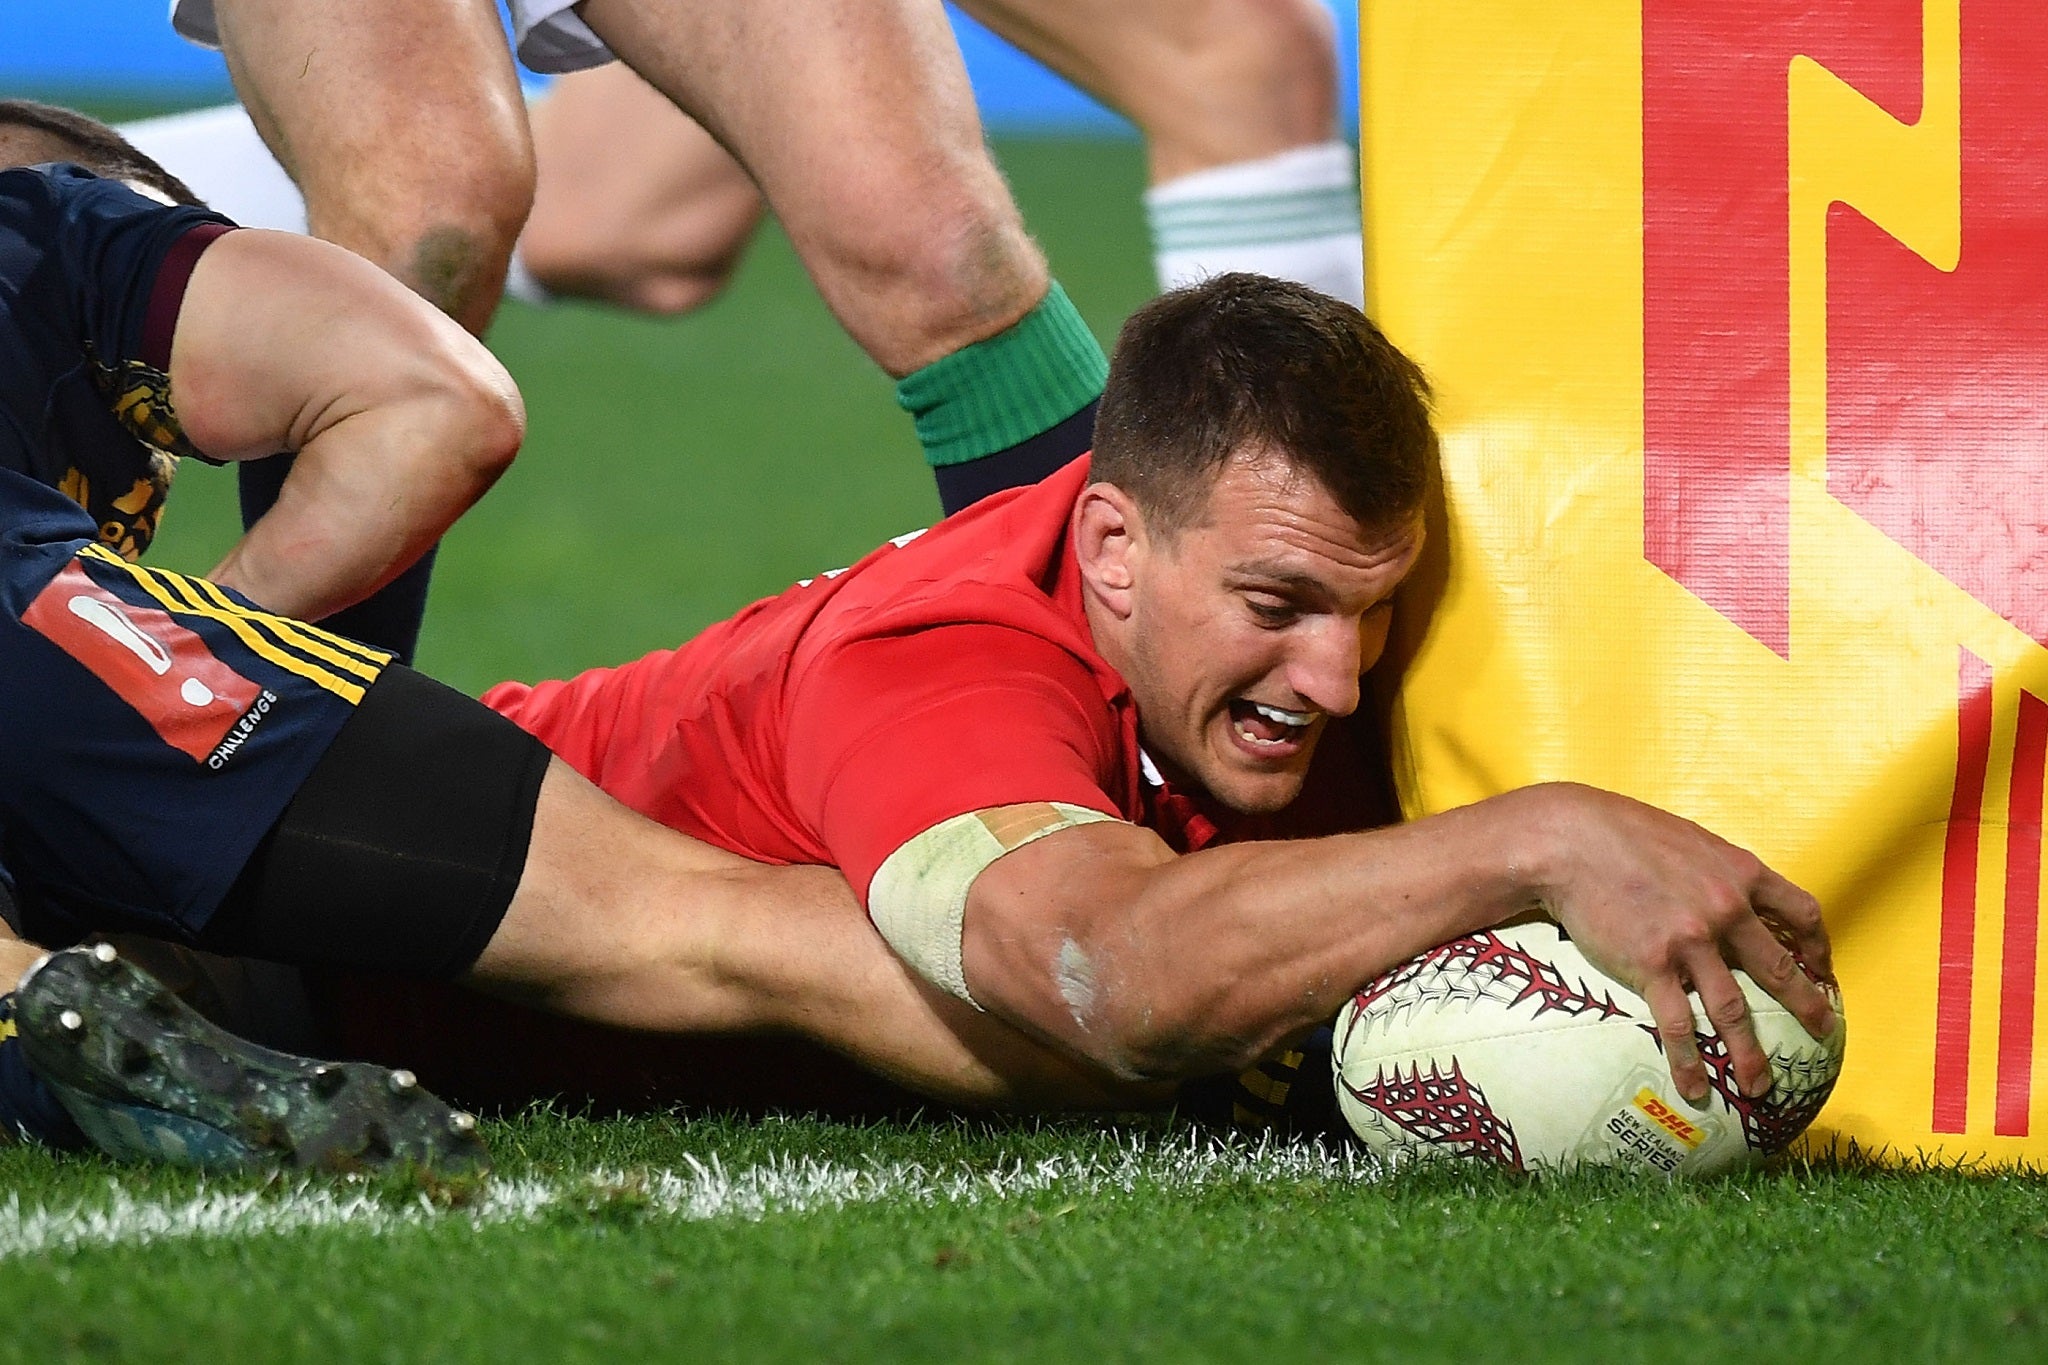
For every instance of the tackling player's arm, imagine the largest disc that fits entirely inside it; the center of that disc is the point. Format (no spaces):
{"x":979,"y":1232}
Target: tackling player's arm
{"x":1101,"y":939}
{"x":400,"y":419}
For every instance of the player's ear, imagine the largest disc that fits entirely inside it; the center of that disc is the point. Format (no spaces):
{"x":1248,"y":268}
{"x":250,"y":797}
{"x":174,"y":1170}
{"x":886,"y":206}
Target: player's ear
{"x":1109,"y":538}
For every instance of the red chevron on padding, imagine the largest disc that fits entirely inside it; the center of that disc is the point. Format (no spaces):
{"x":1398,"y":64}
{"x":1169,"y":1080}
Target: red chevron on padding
{"x":2020,"y":950}
{"x":1717,"y":269}
{"x":1955,"y":966}
{"x":1937,"y":415}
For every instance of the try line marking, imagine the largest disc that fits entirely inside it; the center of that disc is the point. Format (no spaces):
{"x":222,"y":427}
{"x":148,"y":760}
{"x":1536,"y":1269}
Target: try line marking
{"x":702,"y":1191}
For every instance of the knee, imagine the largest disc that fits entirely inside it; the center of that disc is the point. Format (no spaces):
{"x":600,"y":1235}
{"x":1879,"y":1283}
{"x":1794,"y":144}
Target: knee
{"x":974,"y":267}
{"x":645,"y":288}
{"x":1270,"y":47}
{"x":942,"y":268}
{"x":444,"y":225}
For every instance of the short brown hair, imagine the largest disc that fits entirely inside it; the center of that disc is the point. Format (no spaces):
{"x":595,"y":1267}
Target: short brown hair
{"x":67,"y":135}
{"x":1243,"y":364}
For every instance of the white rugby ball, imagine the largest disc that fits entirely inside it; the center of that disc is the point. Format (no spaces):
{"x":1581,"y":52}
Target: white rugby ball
{"x":1508,"y":1046}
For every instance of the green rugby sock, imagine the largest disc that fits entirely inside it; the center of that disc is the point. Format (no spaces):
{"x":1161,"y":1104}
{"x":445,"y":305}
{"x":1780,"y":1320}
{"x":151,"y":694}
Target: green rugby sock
{"x":1011,"y":408}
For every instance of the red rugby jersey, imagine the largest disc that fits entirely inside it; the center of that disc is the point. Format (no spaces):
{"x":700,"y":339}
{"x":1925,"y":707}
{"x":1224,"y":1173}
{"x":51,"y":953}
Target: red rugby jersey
{"x":947,"y":672}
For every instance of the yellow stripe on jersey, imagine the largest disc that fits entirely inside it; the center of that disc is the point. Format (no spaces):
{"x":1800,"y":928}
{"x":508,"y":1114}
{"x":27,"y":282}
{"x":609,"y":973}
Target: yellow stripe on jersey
{"x":364,"y":661}
{"x":165,"y":588}
{"x":343,"y":653}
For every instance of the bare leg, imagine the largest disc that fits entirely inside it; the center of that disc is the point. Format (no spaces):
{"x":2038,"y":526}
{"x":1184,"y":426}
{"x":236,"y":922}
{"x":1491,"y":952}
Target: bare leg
{"x":403,"y":125}
{"x":636,"y":204}
{"x":638,"y":207}
{"x":1238,"y":102}
{"x":402,"y":122}
{"x":859,"y":125}
{"x":1209,"y":82}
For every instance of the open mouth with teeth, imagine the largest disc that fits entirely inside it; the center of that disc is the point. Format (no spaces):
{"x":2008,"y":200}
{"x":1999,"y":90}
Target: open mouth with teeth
{"x":1269,"y":729}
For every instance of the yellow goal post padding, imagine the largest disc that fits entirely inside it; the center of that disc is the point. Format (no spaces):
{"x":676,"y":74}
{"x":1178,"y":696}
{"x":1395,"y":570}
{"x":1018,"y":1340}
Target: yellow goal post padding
{"x":1738,"y":316}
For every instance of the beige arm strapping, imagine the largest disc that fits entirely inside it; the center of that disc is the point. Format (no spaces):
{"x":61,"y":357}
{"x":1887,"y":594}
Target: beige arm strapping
{"x":918,"y":899}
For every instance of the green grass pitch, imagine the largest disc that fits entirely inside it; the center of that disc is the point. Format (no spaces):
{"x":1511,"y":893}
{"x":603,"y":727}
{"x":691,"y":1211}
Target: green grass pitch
{"x":675,"y":471}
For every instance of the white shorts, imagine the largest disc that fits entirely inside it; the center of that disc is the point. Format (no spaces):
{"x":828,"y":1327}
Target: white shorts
{"x":548,"y":35}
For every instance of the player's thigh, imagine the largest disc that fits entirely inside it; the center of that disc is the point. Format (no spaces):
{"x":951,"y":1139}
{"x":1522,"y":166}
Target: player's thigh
{"x":403,"y":123}
{"x":617,"y":919}
{"x":858,"y":123}
{"x":1209,"y":81}
{"x":635,"y":202}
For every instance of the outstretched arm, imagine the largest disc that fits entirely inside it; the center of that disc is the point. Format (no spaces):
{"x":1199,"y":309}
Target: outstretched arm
{"x":620,"y":920}
{"x":1101,"y":940}
{"x":400,"y":418}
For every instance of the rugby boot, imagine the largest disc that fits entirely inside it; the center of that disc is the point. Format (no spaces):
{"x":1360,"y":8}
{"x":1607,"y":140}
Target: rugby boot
{"x":29,"y":1109}
{"x":147,"y":1079}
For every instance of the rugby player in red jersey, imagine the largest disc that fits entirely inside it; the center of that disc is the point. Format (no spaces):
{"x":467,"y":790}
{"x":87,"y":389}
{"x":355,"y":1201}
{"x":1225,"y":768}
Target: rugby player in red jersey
{"x":1073,"y":748}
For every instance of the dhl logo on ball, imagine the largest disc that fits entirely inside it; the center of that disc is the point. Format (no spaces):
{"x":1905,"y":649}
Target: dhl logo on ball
{"x":1738,"y":324}
{"x":1668,"y":1119}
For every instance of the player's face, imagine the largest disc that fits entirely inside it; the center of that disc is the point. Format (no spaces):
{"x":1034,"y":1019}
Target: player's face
{"x":1252,"y":628}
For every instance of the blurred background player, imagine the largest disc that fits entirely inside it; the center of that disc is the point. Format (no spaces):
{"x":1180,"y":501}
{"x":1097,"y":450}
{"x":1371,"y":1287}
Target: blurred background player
{"x":403,"y":124}
{"x":1237,"y":101}
{"x":637,"y":206}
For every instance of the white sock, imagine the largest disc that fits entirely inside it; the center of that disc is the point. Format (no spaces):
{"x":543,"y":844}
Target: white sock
{"x":219,"y":153}
{"x":1294,"y":215}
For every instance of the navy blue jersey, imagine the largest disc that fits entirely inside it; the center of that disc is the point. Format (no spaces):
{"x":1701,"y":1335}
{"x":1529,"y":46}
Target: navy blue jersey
{"x":91,"y":276}
{"x":152,"y":726}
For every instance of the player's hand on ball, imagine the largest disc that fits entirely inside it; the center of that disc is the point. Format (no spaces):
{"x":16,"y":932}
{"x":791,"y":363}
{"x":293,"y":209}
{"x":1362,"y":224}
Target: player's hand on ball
{"x":1665,"y":907}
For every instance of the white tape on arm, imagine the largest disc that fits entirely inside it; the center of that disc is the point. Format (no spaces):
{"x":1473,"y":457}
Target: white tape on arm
{"x":918,"y":899}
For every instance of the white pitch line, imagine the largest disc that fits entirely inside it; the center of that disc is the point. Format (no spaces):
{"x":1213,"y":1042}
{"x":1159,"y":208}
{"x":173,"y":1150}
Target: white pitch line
{"x":703,"y":1191}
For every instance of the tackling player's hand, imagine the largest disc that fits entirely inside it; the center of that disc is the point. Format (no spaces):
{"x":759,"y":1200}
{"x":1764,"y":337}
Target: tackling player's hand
{"x":1664,"y":907}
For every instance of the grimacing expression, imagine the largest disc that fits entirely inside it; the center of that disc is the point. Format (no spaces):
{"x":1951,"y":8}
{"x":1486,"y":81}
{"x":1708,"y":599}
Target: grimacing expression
{"x":1253,"y":626}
